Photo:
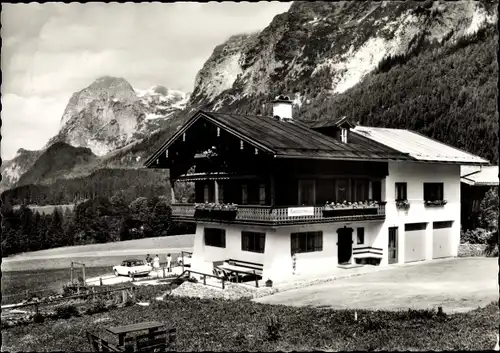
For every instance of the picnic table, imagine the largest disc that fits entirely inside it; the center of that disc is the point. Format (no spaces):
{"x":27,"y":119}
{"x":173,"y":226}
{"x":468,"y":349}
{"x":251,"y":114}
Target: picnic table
{"x":237,"y":270}
{"x":122,"y":331}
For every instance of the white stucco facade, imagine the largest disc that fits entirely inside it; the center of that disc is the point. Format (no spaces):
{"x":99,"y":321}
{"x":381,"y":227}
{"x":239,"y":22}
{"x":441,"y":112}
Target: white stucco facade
{"x":277,"y":261}
{"x":415,"y":174}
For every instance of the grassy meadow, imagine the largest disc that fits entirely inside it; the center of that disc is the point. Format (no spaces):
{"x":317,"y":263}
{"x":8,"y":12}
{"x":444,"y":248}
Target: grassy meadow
{"x":221,"y":325}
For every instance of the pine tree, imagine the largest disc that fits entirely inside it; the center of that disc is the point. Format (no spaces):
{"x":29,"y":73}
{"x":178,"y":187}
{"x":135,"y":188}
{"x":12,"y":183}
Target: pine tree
{"x":160,"y":222}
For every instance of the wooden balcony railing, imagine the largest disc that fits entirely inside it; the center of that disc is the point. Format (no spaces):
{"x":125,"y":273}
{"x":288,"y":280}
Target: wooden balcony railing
{"x":267,"y":215}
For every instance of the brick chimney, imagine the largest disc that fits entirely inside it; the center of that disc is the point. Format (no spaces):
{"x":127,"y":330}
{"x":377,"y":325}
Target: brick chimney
{"x":282,"y":107}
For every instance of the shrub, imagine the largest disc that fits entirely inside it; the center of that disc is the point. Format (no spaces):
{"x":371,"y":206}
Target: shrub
{"x":273,"y":328}
{"x":96,"y":307}
{"x":66,"y":311}
{"x":475,"y":236}
{"x":38,"y":318}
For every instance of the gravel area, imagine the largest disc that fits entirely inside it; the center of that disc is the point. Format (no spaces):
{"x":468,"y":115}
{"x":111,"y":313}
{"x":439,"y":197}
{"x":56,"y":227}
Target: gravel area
{"x":468,"y":250}
{"x":232,"y":291}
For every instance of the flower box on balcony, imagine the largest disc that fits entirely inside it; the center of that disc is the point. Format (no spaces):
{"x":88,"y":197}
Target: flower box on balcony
{"x":215,"y":211}
{"x":434,"y":203}
{"x":350,"y":209}
{"x":402,"y":204}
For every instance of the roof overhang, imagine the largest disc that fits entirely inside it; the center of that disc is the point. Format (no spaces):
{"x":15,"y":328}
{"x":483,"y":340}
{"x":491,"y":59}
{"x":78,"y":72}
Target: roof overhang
{"x":199,"y":115}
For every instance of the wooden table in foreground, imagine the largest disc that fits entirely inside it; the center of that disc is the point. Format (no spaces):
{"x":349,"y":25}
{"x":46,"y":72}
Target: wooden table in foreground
{"x":122,"y":331}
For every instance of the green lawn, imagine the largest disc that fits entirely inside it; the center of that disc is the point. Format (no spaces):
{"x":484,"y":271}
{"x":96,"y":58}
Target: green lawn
{"x":174,"y":241}
{"x":40,"y":282}
{"x":219,"y":325}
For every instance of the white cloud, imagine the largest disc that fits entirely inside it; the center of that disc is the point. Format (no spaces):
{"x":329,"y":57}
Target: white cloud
{"x":28,"y":122}
{"x":52,"y":50}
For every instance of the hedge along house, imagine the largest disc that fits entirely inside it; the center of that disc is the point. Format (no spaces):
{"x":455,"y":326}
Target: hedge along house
{"x":325,"y":192}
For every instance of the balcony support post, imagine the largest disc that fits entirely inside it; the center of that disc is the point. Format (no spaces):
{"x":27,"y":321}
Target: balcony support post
{"x":171,"y":183}
{"x":272,"y":191}
{"x":370,"y":190}
{"x":216,"y":191}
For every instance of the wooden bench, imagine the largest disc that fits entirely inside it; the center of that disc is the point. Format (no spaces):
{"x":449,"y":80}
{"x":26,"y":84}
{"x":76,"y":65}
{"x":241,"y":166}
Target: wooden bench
{"x":157,"y":341}
{"x":251,"y":266}
{"x":98,"y":344}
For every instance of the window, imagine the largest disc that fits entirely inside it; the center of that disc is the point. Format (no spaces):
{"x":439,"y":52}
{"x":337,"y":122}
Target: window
{"x":415,"y":226}
{"x":442,"y":224}
{"x":262,"y":194}
{"x":307,"y":242}
{"x":221,"y":193}
{"x":343,"y":135}
{"x":205,"y":193}
{"x":307,"y":192}
{"x":215,"y":237}
{"x":361,"y":235}
{"x":433,"y":191}
{"x":252,"y":241}
{"x":244,"y":194}
{"x":401,"y":192}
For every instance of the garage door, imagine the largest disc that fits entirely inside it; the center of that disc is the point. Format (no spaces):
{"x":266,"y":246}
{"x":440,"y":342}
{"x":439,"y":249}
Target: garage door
{"x":415,"y":241}
{"x":442,"y":239}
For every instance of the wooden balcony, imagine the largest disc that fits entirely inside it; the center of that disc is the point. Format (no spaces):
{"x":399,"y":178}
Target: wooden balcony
{"x":281,"y":216}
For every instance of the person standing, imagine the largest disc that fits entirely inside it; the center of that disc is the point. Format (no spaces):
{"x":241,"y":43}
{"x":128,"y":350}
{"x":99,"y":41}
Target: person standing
{"x":169,"y":263}
{"x":148,"y":260}
{"x":156,"y":262}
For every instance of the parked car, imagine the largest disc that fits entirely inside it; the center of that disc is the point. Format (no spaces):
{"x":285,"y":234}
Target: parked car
{"x":187,"y":260}
{"x":132,"y":267}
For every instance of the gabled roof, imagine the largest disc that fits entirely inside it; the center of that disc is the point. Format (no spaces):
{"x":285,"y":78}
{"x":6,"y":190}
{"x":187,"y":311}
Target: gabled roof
{"x":418,"y":146}
{"x":479,"y":176}
{"x":288,"y":139}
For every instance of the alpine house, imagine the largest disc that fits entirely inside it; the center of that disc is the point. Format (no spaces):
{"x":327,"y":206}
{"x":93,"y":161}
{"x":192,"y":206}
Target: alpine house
{"x":270,"y":189}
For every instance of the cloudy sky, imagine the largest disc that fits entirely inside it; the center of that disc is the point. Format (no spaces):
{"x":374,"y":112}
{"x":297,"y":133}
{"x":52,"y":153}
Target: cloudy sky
{"x":52,"y":50}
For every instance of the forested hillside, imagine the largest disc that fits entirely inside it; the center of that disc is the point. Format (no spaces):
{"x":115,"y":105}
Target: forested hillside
{"x":104,"y":183}
{"x":57,"y":160}
{"x":448,"y":93}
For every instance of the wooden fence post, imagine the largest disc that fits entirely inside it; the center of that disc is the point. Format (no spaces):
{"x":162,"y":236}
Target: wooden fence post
{"x":100,"y":281}
{"x":83,"y":270}
{"x":223,"y":283}
{"x":182,"y":256}
{"x":205,"y":280}
{"x":71,"y":271}
{"x":256,"y":279}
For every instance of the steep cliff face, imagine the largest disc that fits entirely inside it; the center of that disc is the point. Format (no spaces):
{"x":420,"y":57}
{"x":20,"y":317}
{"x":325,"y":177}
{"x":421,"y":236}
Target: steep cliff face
{"x":110,"y":114}
{"x":13,"y":169}
{"x":101,"y":118}
{"x":327,"y":47}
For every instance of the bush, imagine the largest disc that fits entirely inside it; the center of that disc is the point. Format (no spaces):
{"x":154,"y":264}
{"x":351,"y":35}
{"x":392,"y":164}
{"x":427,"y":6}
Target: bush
{"x":38,"y":318}
{"x":66,"y":311}
{"x":273,"y":328}
{"x":96,"y":307}
{"x":475,"y":236}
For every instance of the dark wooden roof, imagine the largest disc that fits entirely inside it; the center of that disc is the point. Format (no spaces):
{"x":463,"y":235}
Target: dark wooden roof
{"x":290,"y":139}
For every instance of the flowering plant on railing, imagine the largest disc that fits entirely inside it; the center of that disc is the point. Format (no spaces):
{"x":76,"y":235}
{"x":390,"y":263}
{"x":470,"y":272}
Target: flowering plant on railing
{"x":403,"y":204}
{"x":435,"y":202}
{"x":212,"y":206}
{"x":346,"y":204}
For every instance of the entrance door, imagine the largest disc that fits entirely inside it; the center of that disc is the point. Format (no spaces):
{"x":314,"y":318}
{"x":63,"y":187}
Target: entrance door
{"x":307,"y":192}
{"x":344,"y":245}
{"x":393,"y":245}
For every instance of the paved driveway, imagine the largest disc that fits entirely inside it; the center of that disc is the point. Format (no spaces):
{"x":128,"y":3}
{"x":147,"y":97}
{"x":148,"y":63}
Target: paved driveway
{"x":458,"y":285}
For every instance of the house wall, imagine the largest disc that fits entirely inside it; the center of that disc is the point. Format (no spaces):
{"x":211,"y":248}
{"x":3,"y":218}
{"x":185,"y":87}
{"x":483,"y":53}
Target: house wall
{"x":415,"y":175}
{"x":277,"y":258}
